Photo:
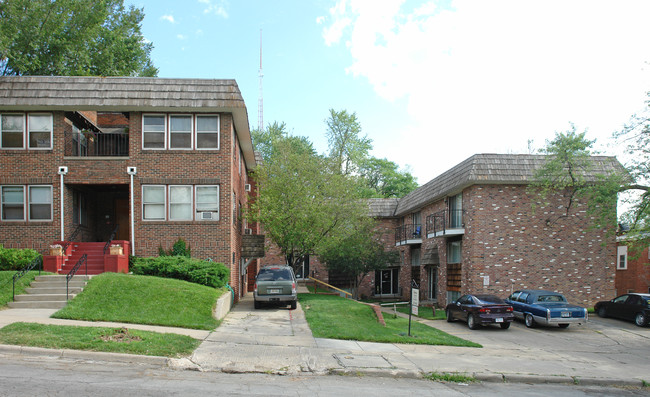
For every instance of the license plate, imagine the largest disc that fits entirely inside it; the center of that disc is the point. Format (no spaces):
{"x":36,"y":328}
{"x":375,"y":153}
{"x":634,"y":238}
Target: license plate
{"x":273,"y":290}
{"x":566,"y":314}
{"x":498,"y":320}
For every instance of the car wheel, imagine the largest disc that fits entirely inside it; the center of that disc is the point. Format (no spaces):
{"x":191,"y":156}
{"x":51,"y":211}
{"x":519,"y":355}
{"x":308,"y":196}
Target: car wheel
{"x":293,"y":305}
{"x":450,"y":318}
{"x":529,"y":320}
{"x":641,"y":320}
{"x":602,"y":312}
{"x":257,"y":304}
{"x":471,"y":322}
{"x":505,"y":325}
{"x":563,"y":325}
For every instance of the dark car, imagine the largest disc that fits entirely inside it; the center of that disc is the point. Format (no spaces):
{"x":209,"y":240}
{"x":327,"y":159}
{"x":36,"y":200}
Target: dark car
{"x":480,"y":310}
{"x":537,"y":306}
{"x":275,"y":284}
{"x":633,"y":307}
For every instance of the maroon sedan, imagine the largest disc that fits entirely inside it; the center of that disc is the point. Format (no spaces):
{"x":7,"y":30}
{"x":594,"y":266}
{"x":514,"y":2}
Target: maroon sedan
{"x":480,"y":310}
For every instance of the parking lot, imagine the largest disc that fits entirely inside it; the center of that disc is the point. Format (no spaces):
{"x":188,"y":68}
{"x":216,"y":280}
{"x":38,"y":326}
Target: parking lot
{"x":602,"y":342}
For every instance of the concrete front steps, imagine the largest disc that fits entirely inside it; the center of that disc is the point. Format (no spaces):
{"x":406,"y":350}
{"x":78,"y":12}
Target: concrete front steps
{"x":49,"y":292}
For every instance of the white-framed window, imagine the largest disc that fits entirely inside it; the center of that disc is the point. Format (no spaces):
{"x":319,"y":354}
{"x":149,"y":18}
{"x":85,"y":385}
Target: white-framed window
{"x":153,"y":202}
{"x":180,"y":131}
{"x":207,"y":132}
{"x":39,"y":128}
{"x":12,"y":131}
{"x":207,"y":202}
{"x":454,"y":251}
{"x":154,"y":128}
{"x":621,"y":261}
{"x":40,"y":203}
{"x":180,"y":203}
{"x":13,"y":203}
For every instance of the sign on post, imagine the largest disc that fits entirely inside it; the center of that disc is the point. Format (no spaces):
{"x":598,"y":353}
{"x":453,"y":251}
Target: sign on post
{"x":415,"y":300}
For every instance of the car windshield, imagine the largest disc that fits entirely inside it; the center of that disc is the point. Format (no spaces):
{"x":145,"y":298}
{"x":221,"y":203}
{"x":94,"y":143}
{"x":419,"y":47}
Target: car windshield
{"x":551,"y":298}
{"x":487,"y":299}
{"x":274,"y":274}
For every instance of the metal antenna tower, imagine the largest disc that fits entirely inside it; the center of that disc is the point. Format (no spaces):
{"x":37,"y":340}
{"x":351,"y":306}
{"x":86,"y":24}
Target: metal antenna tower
{"x":260,"y":101}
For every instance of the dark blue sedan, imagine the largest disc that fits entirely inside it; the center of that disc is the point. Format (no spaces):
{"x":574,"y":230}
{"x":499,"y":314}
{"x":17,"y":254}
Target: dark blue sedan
{"x":536,"y":306}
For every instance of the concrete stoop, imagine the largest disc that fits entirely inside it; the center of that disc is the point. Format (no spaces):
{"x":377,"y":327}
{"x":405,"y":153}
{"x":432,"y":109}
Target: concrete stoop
{"x":49,"y":292}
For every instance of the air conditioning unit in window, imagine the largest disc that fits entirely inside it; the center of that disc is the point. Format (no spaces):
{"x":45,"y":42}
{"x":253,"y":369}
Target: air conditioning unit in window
{"x":206,"y":215}
{"x":247,"y":187}
{"x":248,"y":231}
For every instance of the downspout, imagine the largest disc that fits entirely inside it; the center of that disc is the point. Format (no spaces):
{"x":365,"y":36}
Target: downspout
{"x":132,"y":171}
{"x":62,"y":171}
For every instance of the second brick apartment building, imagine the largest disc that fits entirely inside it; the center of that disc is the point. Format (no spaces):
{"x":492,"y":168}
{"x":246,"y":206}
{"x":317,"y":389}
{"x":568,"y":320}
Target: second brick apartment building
{"x":162,"y":158}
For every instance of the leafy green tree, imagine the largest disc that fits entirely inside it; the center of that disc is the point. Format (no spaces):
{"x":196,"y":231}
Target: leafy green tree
{"x":73,"y":38}
{"x":383,"y":178}
{"x":301,"y":203}
{"x":356,"y":252}
{"x":570,"y":171}
{"x":265,"y":141}
{"x":636,"y":136}
{"x":347,"y":149}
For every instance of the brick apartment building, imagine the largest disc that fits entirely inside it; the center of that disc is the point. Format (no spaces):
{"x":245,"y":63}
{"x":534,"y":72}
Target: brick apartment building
{"x":632,"y":269}
{"x":162,"y":158}
{"x":478,"y":228}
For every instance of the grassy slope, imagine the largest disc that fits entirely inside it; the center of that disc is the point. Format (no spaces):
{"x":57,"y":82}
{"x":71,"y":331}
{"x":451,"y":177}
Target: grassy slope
{"x":144,"y":300}
{"x":6,"y":284}
{"x":98,"y":339}
{"x":338,"y":318}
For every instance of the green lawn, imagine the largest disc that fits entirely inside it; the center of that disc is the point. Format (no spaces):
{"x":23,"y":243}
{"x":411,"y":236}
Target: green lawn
{"x":339,"y":318}
{"x":119,"y":340}
{"x":6,"y":284}
{"x":424,"y":312}
{"x":144,"y":300}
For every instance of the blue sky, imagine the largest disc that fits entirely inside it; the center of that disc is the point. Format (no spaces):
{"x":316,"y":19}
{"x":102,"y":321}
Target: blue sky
{"x":432,"y":82}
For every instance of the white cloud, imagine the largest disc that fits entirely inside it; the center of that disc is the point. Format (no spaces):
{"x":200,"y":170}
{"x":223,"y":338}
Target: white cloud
{"x":169,"y":18}
{"x":181,"y":37}
{"x":480,"y":76}
{"x":217,"y":7}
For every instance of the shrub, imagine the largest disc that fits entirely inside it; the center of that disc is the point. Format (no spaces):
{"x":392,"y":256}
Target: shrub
{"x":16,"y":259}
{"x":180,"y":248}
{"x":182,"y":268}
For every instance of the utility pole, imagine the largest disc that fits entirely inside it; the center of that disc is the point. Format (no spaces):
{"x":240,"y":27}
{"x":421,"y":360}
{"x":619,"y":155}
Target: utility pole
{"x":260,"y":101}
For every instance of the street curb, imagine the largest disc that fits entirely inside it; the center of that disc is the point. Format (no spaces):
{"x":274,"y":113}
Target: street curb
{"x":172,"y":363}
{"x":376,"y":372}
{"x":543,"y":379}
{"x":83,"y":355}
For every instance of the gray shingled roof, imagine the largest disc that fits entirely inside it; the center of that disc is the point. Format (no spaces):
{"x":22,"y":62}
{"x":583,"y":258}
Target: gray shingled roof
{"x":488,"y":169}
{"x":121,"y":94}
{"x":382,"y":207}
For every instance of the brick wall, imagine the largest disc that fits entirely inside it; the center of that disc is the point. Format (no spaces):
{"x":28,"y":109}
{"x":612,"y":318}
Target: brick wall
{"x":217,"y":240}
{"x":636,"y":278}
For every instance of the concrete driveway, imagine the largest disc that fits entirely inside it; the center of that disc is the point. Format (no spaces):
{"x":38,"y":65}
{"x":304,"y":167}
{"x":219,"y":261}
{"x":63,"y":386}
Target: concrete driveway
{"x":278,"y":340}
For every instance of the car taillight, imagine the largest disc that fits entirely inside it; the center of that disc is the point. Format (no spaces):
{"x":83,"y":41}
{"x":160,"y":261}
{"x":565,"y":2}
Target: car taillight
{"x":255,"y":287}
{"x":509,"y":308}
{"x":484,"y":310}
{"x":293,"y":288}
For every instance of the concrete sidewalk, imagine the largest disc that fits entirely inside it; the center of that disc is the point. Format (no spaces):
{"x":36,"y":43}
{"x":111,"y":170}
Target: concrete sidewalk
{"x":278,"y":340}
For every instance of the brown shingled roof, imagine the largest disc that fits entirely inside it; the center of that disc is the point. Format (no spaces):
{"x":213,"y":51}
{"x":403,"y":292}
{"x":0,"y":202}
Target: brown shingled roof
{"x":488,"y":169}
{"x":120,"y":94}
